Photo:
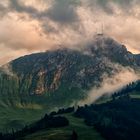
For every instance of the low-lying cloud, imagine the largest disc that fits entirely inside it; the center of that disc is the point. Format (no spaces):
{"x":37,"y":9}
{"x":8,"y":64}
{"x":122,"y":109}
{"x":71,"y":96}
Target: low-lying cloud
{"x":111,"y":84}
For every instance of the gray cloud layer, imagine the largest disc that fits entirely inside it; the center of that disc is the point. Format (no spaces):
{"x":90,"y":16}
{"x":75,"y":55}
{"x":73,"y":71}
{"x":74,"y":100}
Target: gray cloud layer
{"x":28,"y":26}
{"x":63,"y":11}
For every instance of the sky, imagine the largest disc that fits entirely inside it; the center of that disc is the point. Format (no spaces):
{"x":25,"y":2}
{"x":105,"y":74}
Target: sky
{"x":29,"y":26}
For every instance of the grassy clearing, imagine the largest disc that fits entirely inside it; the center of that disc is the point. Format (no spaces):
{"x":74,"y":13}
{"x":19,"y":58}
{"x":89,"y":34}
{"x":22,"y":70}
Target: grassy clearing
{"x":135,"y":95}
{"x":84,"y":132}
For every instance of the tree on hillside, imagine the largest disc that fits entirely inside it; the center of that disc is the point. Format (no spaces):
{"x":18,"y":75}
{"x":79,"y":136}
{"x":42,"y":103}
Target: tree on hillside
{"x":74,"y":135}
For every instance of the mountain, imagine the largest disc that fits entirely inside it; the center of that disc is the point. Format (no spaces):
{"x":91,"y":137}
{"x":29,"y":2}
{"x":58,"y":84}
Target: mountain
{"x":65,"y":70}
{"x":38,"y":83}
{"x":104,"y":46}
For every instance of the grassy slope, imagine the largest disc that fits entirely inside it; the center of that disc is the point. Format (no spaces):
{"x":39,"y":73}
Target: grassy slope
{"x":84,"y":132}
{"x":135,"y":95}
{"x":17,"y":118}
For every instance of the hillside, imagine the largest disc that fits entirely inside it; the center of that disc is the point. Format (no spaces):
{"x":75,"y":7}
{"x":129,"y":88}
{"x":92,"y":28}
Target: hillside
{"x":44,"y":73}
{"x":36,"y":83}
{"x":94,"y":121}
{"x":84,"y":132}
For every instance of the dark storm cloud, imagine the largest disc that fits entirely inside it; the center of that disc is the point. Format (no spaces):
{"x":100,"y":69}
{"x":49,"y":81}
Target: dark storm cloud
{"x":106,"y":5}
{"x":19,"y":7}
{"x":63,"y":11}
{"x":101,"y":4}
{"x":123,"y":3}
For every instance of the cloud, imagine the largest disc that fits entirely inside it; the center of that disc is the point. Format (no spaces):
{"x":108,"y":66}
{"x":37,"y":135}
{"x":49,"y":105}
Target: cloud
{"x":60,"y":11}
{"x":3,"y":8}
{"x":121,"y":25}
{"x":18,"y":34}
{"x":40,"y":25}
{"x":111,"y":84}
{"x":8,"y":54}
{"x":23,"y":7}
{"x":63,"y":11}
{"x":108,"y":5}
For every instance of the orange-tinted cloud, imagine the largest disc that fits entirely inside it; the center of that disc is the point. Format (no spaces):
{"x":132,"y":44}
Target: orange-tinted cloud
{"x":32,"y":26}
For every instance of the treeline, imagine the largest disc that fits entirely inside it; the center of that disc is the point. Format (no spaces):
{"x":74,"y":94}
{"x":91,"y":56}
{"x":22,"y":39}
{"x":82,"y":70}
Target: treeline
{"x":134,"y":86}
{"x":62,"y":111}
{"x":48,"y":121}
{"x":115,"y":120}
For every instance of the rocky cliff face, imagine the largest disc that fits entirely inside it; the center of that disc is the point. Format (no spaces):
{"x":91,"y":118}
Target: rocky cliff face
{"x":42,"y":73}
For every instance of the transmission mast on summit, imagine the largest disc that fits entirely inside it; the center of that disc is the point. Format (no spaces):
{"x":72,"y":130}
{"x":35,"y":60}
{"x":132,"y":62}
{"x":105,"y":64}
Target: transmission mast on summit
{"x":101,"y":30}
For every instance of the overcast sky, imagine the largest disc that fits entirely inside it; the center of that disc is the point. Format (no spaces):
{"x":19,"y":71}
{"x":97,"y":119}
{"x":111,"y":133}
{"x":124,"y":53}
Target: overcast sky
{"x":28,"y":26}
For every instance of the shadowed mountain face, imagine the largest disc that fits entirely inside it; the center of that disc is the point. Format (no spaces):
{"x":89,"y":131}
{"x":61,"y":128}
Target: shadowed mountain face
{"x":65,"y":69}
{"x":137,"y":57}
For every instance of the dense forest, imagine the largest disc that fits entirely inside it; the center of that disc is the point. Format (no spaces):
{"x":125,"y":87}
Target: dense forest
{"x":118,"y":119}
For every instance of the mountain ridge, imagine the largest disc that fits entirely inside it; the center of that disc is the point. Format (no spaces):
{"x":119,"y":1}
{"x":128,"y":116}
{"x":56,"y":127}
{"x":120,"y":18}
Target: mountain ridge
{"x":46,"y":72}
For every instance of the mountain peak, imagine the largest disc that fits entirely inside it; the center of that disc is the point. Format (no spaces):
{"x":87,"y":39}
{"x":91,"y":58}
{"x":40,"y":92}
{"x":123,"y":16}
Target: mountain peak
{"x":102,"y":46}
{"x":105,"y":44}
{"x":104,"y":41}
